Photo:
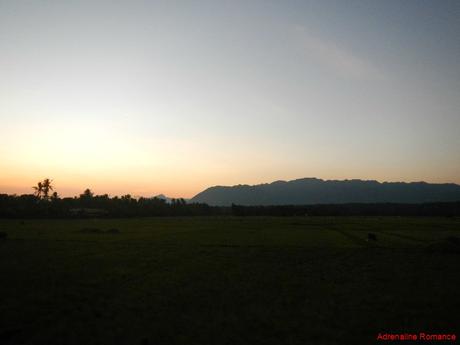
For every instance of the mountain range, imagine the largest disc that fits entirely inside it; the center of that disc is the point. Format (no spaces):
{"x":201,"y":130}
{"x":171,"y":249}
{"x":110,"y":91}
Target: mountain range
{"x":308,"y":191}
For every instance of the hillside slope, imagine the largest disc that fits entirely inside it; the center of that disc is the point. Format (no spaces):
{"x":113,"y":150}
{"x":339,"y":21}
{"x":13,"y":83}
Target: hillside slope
{"x":317,"y":191}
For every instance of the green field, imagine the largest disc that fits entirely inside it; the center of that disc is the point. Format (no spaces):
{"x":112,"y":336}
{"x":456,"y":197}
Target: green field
{"x":226,"y":280}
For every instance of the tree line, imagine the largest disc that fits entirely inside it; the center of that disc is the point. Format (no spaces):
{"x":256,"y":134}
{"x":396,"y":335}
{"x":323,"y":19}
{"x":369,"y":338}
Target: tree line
{"x":436,"y":209}
{"x":44,"y":204}
{"x":29,"y":206}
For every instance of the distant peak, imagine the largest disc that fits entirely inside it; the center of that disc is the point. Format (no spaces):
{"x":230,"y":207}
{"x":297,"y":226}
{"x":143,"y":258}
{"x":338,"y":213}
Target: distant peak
{"x":279,"y":182}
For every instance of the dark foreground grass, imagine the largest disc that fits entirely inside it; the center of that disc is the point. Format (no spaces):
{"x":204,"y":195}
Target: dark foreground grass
{"x":226,"y":280}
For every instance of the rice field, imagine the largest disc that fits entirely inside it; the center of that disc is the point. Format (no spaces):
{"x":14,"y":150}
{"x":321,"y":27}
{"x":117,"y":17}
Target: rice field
{"x":227,"y":280}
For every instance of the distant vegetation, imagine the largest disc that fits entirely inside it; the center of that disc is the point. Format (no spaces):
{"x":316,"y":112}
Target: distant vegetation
{"x":43,"y":205}
{"x":444,"y":209}
{"x":89,"y":205}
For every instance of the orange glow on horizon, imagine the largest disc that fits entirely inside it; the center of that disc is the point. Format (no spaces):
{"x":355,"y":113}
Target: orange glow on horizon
{"x":175,"y":186}
{"x":114,"y":161}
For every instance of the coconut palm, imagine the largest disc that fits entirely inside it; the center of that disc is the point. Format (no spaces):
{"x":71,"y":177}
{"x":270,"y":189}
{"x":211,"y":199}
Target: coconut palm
{"x":43,"y":188}
{"x":38,"y":189}
{"x":46,"y":187}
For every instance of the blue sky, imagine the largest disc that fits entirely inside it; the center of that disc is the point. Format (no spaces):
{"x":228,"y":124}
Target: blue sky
{"x":144,"y":97}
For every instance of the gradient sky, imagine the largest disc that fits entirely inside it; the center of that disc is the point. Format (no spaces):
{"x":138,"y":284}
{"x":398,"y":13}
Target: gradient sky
{"x":148,"y":97}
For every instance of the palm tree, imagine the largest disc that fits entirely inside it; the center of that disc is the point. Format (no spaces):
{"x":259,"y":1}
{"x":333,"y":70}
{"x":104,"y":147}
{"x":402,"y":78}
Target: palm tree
{"x":46,"y":187}
{"x":43,"y":188}
{"x":38,"y":189}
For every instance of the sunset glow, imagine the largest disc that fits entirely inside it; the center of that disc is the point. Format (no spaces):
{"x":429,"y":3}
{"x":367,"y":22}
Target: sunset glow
{"x":150,"y":97}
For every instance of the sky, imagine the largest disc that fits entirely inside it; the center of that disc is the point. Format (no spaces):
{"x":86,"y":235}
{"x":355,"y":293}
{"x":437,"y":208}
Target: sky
{"x":149,"y":97}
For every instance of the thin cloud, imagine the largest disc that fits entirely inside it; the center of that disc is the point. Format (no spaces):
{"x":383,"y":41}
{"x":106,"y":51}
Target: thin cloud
{"x":340,"y":60}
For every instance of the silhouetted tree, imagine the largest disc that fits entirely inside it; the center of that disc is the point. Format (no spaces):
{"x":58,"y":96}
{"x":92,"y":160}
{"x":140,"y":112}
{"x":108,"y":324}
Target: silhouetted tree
{"x":126,"y":197}
{"x":46,"y":186}
{"x":38,"y":189}
{"x":87,"y":198}
{"x":87,"y":194}
{"x":43,"y":188}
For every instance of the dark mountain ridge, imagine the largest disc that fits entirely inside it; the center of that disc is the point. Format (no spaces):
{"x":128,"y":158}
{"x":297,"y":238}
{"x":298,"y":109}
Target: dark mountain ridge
{"x":307,"y":191}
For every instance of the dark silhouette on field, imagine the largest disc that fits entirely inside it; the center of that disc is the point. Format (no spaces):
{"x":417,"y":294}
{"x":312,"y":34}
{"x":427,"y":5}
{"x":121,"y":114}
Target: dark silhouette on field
{"x":371,"y":237}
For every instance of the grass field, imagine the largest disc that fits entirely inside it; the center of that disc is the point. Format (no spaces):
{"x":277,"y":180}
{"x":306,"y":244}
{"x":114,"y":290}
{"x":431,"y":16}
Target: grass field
{"x":226,"y":280}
